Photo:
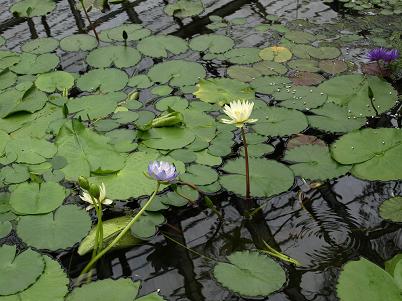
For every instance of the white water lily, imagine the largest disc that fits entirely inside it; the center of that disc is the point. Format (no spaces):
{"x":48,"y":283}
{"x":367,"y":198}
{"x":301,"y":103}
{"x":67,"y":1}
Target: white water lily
{"x":86,"y":197}
{"x":239,"y":111}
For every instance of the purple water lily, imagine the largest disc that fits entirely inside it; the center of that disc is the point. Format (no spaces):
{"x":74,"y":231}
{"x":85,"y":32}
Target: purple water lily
{"x":383,"y":54}
{"x":162,"y":171}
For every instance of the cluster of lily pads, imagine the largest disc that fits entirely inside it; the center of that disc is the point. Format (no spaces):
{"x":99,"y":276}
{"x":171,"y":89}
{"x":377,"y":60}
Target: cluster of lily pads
{"x":109,"y":122}
{"x":387,"y":7}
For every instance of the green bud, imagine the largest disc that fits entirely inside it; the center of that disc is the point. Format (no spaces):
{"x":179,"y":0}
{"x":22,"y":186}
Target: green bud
{"x":370,"y":93}
{"x":208,"y":202}
{"x":170,"y":119}
{"x":83,"y":182}
{"x":125,"y":35}
{"x":94,"y":190}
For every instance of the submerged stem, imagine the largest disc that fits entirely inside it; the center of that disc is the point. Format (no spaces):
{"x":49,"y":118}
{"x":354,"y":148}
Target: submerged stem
{"x":243,"y":134}
{"x":122,"y":233}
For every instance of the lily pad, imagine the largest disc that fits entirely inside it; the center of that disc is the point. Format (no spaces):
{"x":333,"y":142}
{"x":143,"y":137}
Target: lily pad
{"x":104,"y":80}
{"x":223,"y":90}
{"x":213,"y":43}
{"x":277,"y":54}
{"x":119,"y":56}
{"x":364,"y":280}
{"x":26,"y":267}
{"x":134,"y":32}
{"x":161,"y":46}
{"x":34,"y":64}
{"x":324,"y":52}
{"x":146,"y":226}
{"x":243,"y":73}
{"x":374,"y":153}
{"x":300,"y":97}
{"x":199,"y":175}
{"x":7,"y":79}
{"x":177,"y":73}
{"x":243,"y":55}
{"x":351,"y":91}
{"x":304,"y":65}
{"x":267,"y":177}
{"x":262,"y":274}
{"x":333,"y":66}
{"x":78,"y":42}
{"x":32,"y":198}
{"x":184,"y":8}
{"x":41,"y":45}
{"x":270,"y":84}
{"x":167,"y":138}
{"x":8,"y":59}
{"x":29,"y":150}
{"x":56,"y":230}
{"x":174,"y":102}
{"x":140,"y":81}
{"x":5,"y":229}
{"x":33,"y":8}
{"x":54,"y":81}
{"x":391,"y":209}
{"x":270,"y":68}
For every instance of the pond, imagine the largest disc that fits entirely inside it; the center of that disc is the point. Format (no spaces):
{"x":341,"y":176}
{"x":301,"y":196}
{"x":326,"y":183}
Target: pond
{"x":91,"y":92}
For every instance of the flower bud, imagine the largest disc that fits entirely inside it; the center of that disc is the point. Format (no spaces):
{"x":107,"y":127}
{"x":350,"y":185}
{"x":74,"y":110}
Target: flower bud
{"x":83,"y":182}
{"x":94,"y":190}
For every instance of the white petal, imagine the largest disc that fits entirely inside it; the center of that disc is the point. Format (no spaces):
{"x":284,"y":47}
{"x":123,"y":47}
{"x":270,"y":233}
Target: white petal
{"x":107,"y":202}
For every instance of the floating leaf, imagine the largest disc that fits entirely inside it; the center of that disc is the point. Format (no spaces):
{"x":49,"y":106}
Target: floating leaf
{"x":304,"y":65}
{"x":300,"y":37}
{"x":147,"y":224}
{"x":373,"y":282}
{"x":8,"y":59}
{"x":262,"y":274}
{"x":107,"y":289}
{"x":351,"y":91}
{"x":5,"y":229}
{"x":104,"y":80}
{"x":270,"y":68}
{"x":26,"y":267}
{"x":391,"y":209}
{"x":270,"y":84}
{"x":243,"y":55}
{"x":140,"y":81}
{"x":277,"y":54}
{"x":324,"y":52}
{"x":243,"y":73}
{"x":56,"y":230}
{"x":199,"y":175}
{"x":134,"y":32}
{"x":160,"y":46}
{"x":177,"y":73}
{"x":54,"y":81}
{"x":33,"y":8}
{"x":29,"y":150}
{"x":78,"y":42}
{"x":184,"y":8}
{"x":163,"y":90}
{"x":174,"y":102}
{"x":267,"y":177}
{"x":306,"y":78}
{"x":213,"y":43}
{"x":167,"y":138}
{"x":119,"y":56}
{"x":374,"y":153}
{"x":34,"y":64}
{"x":41,"y":45}
{"x":300,"y":97}
{"x":223,"y":90}
{"x":333,"y":66}
{"x":7,"y":79}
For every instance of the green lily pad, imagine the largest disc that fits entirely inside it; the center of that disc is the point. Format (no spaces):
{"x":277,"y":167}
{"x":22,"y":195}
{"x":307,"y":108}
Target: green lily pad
{"x":300,"y":37}
{"x":111,"y":228}
{"x":78,"y":42}
{"x":140,"y":81}
{"x":26,"y":267}
{"x":41,"y":45}
{"x":174,"y":102}
{"x":32,"y":198}
{"x":243,"y":55}
{"x":223,"y":90}
{"x":161,"y":46}
{"x":86,"y":152}
{"x":199,"y":175}
{"x":267,"y":177}
{"x":373,"y":283}
{"x":205,"y":158}
{"x":277,"y":54}
{"x":243,"y":73}
{"x":261,"y":273}
{"x":8,"y":59}
{"x":134,"y":32}
{"x":29,"y":150}
{"x":167,"y":138}
{"x":7,"y":79}
{"x":258,"y":150}
{"x":391,"y":209}
{"x":184,"y":8}
{"x":351,"y":91}
{"x":333,"y":66}
{"x":270,"y":68}
{"x":304,"y":65}
{"x":314,"y":162}
{"x":33,"y":8}
{"x":104,"y":80}
{"x":35,"y":64}
{"x":146,"y":226}
{"x":119,"y":56}
{"x":374,"y":153}
{"x":56,"y":230}
{"x":119,"y":185}
{"x":213,"y":43}
{"x":177,"y":73}
{"x":5,"y":229}
{"x":54,"y":81}
{"x":2,"y":41}
{"x":274,"y":121}
{"x":300,"y":97}
{"x":162,"y":90}
{"x":322,"y":53}
{"x":333,"y":118}
{"x":270,"y":84}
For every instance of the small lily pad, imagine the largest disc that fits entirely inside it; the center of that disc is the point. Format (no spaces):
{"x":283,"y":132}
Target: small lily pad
{"x":41,"y":45}
{"x":104,"y":80}
{"x":213,"y":43}
{"x":391,"y":209}
{"x":119,"y":56}
{"x":78,"y":42}
{"x":243,"y":55}
{"x":54,"y":81}
{"x":35,"y":64}
{"x":134,"y":32}
{"x":161,"y":46}
{"x":184,"y":8}
{"x":33,"y":8}
{"x":277,"y":54}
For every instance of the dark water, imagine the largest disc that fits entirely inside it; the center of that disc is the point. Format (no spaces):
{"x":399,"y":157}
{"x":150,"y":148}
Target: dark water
{"x":340,"y":220}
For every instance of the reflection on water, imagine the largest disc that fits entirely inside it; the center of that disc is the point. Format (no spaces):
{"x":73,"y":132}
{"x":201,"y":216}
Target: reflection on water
{"x":339,"y":220}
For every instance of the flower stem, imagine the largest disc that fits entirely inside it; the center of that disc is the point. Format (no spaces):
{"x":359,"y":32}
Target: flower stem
{"x":243,"y":134}
{"x":89,"y":20}
{"x":122,"y":233}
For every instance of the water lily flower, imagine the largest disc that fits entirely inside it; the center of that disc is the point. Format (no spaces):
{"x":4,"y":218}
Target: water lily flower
{"x":162,"y":171}
{"x":383,"y":54}
{"x":239,"y":112}
{"x":86,"y":197}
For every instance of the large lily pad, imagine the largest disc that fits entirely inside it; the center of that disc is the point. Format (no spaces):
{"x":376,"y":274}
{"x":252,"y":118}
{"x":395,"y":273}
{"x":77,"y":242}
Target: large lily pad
{"x":391,"y":209}
{"x":374,"y":153}
{"x":56,"y":230}
{"x":104,"y":80}
{"x":223,"y":90}
{"x":32,"y":198}
{"x":300,"y":97}
{"x":261,"y":273}
{"x":364,"y":280}
{"x":41,"y":45}
{"x":161,"y":46}
{"x":35,"y":64}
{"x":33,"y":8}
{"x":78,"y":42}
{"x":26,"y":267}
{"x":167,"y":138}
{"x":267,"y":177}
{"x":54,"y":81}
{"x":177,"y":73}
{"x":213,"y":43}
{"x":119,"y":56}
{"x":351,"y":91}
{"x":7,"y":78}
